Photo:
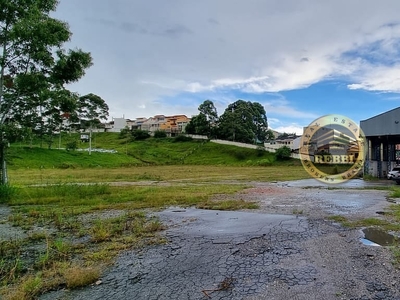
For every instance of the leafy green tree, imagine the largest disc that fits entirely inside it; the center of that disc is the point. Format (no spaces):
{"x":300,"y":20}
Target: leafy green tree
{"x":139,"y":135}
{"x":269,"y":135}
{"x":198,"y":125}
{"x":124,"y":133}
{"x":205,"y":122}
{"x":283,"y":153}
{"x":90,"y":112}
{"x":243,"y":121}
{"x":159,"y":134}
{"x":208,"y":110}
{"x":34,"y":69}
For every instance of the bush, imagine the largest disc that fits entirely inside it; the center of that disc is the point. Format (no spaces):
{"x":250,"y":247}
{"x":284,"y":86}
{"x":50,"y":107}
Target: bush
{"x":72,"y":145}
{"x":139,"y":135}
{"x":124,"y":133}
{"x":283,"y":153}
{"x":264,"y":162}
{"x":158,"y":134}
{"x":183,"y":138}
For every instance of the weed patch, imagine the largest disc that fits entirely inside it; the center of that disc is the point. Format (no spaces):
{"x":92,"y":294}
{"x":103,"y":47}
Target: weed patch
{"x":228,"y":205}
{"x":77,"y":276}
{"x":7,"y":192}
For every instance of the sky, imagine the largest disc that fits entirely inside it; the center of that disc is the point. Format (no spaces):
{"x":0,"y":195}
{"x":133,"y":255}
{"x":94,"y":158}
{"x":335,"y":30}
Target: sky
{"x":300,"y":59}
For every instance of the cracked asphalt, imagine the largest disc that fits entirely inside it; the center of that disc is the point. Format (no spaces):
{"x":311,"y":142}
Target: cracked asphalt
{"x":256,"y":255}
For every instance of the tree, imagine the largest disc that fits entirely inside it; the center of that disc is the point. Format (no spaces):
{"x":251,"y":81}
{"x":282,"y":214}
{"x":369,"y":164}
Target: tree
{"x":244,"y":122}
{"x":283,"y":153}
{"x":160,"y":134}
{"x":205,"y":122}
{"x":208,"y":110}
{"x":139,"y":135}
{"x":269,"y":135}
{"x":198,"y":125}
{"x":34,"y":69}
{"x":90,"y":112}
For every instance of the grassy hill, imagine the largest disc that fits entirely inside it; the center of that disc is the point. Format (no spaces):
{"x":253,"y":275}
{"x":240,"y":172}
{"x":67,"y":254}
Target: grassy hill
{"x":166,"y":151}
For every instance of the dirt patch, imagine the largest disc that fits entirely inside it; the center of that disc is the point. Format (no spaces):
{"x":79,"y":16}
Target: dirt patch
{"x":7,"y":231}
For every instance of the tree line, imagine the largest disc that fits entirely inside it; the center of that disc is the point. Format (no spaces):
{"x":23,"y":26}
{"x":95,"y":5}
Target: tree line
{"x":242,"y":121}
{"x":35,"y":69}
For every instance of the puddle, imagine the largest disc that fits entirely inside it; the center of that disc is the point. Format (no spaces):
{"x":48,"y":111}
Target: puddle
{"x":377,"y":237}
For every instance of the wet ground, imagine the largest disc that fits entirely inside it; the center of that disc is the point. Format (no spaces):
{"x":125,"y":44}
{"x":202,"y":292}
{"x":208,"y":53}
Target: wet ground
{"x":287,"y":249}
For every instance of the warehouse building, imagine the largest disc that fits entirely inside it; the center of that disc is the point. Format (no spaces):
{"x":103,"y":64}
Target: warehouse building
{"x":382,"y":134}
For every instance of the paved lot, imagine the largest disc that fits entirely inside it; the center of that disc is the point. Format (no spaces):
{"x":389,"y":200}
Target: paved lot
{"x":258,"y":255}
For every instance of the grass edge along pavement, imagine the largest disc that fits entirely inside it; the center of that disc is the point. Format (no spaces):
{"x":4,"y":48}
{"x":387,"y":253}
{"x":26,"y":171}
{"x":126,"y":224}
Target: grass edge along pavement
{"x":79,"y":229}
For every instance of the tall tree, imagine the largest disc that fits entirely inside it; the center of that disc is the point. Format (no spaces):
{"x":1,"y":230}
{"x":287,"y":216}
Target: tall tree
{"x":243,"y":121}
{"x":91,"y":111}
{"x":198,"y":125}
{"x":34,"y":68}
{"x":206,"y":121}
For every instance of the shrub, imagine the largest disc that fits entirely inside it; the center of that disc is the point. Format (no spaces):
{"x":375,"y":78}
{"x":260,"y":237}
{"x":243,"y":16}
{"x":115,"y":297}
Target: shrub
{"x":158,"y":134}
{"x":283,"y":153}
{"x":124,"y":133}
{"x":72,"y":145}
{"x":183,"y":138}
{"x":139,"y":135}
{"x":264,"y":162}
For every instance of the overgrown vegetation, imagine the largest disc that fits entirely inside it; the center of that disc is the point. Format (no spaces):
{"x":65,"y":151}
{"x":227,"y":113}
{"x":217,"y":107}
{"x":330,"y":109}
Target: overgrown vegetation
{"x":6,"y":192}
{"x":151,"y":151}
{"x":283,"y":153}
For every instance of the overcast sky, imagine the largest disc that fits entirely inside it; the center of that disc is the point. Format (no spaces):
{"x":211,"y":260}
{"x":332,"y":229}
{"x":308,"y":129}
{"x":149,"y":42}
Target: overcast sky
{"x":301,"y":59}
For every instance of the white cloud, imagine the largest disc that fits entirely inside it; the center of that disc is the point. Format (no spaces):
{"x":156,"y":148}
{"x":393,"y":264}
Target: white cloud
{"x":145,"y":51}
{"x":290,"y":129}
{"x":284,"y":108}
{"x":383,"y":78}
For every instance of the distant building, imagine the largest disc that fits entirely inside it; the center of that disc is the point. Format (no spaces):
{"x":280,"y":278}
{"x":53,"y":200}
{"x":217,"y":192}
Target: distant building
{"x":172,"y":125}
{"x":286,"y":140}
{"x":175,"y":124}
{"x":116,"y":125}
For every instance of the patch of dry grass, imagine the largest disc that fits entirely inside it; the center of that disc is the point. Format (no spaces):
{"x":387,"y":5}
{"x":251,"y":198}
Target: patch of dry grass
{"x":77,"y":276}
{"x":182,"y":173}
